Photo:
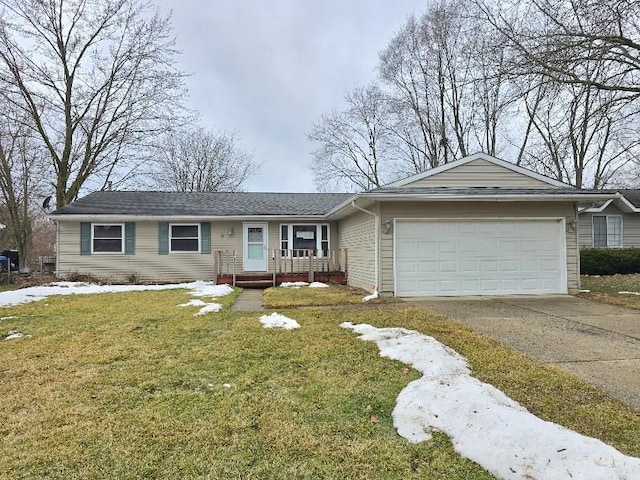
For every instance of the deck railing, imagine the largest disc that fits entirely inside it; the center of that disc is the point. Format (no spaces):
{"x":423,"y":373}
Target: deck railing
{"x":286,"y":262}
{"x":225,"y":263}
{"x":309,"y":261}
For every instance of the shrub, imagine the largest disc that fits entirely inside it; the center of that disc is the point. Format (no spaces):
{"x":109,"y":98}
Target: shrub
{"x":609,"y":261}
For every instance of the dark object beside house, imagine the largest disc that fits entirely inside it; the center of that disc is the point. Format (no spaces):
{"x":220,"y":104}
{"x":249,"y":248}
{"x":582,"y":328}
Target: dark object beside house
{"x":609,"y":261}
{"x":13,"y":259}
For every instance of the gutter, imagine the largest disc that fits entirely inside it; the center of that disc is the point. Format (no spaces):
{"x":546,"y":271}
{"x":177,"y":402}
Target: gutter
{"x":491,"y":198}
{"x":81,"y":217}
{"x":376,"y":242}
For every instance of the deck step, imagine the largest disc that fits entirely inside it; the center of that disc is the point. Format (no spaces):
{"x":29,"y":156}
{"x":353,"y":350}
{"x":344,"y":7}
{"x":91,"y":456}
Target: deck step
{"x":254,"y":283}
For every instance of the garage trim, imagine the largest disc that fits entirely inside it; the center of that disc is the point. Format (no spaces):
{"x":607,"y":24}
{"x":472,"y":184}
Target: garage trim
{"x":562,"y":239}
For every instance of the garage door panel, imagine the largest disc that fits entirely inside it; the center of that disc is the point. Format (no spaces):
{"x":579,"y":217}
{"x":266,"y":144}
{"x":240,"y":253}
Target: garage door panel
{"x":427,"y":266}
{"x":424,"y":248}
{"x":479,"y":257}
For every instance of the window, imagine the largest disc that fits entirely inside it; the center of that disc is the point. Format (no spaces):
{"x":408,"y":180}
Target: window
{"x":607,"y":231}
{"x":184,"y":238}
{"x":298,"y":239}
{"x":107,"y":238}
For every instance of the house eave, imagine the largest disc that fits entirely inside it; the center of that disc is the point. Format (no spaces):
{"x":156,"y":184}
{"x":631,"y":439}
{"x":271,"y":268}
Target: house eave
{"x":180,"y":218}
{"x":443,"y":197}
{"x":620,"y":201}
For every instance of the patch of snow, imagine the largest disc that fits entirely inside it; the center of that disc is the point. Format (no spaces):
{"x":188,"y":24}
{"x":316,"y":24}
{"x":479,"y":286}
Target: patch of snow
{"x":33,"y":294}
{"x":275,"y":320}
{"x":585,"y":291}
{"x":226,"y":385}
{"x":209,"y":308}
{"x":629,"y":293}
{"x":13,"y":334}
{"x":373,"y":296}
{"x":208,"y":289}
{"x":318,"y":285}
{"x":8,"y":318}
{"x":483,"y":423}
{"x":293,"y":284}
{"x":196,"y":302}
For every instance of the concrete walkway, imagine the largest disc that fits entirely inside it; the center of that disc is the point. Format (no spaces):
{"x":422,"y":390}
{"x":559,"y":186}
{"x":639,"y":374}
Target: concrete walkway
{"x":593,"y":340}
{"x":250,"y":300}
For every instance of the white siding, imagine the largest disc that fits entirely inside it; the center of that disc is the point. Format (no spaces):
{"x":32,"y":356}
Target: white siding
{"x":630,"y":227}
{"x":357,"y":235}
{"x":148,"y":265}
{"x":479,"y":173}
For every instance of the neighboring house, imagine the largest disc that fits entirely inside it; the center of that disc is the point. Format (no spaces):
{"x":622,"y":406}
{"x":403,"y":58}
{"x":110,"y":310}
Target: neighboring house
{"x":614,"y":223}
{"x":476,"y":226}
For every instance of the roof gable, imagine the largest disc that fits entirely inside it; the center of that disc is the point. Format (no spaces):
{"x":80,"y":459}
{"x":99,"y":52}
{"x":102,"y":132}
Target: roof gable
{"x":479,"y":170}
{"x":627,"y":201}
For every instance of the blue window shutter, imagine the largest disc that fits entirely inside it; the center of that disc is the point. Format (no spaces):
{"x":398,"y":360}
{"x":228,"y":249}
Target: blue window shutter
{"x":85,"y":238}
{"x":163,"y":238}
{"x":130,"y":238}
{"x":205,"y":237}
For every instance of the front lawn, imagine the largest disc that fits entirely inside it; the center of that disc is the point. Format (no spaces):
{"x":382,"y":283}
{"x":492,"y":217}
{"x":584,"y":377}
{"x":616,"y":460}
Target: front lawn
{"x":287,"y":297}
{"x":130,"y":386}
{"x":607,"y":287}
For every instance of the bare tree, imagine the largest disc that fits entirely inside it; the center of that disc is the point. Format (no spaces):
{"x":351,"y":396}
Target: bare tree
{"x":446,"y":87}
{"x":577,"y":69}
{"x":558,"y":39}
{"x":581,"y":135}
{"x":197,"y":160}
{"x":20,"y":181}
{"x":95,"y":79}
{"x":354,"y":153}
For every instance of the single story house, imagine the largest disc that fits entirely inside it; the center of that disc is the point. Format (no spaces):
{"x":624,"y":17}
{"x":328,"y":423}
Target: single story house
{"x":476,"y":226}
{"x":614,"y":223}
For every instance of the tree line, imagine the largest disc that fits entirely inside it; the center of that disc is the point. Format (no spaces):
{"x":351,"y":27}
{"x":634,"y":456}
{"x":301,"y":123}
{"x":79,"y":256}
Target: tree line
{"x":91,"y":99}
{"x":552,"y":85}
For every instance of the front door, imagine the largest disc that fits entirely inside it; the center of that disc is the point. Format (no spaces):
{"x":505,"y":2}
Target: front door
{"x":255,"y":247}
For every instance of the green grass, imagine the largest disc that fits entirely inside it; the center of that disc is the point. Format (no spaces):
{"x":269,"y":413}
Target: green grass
{"x":130,"y":386}
{"x":606,"y":287}
{"x":281,"y":297}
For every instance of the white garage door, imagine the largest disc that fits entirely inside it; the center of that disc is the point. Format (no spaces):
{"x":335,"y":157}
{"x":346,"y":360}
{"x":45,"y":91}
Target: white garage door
{"x":479,"y":258}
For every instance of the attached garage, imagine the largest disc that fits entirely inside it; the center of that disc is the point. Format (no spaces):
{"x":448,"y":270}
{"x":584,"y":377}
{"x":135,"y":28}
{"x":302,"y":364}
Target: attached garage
{"x":479,"y":257}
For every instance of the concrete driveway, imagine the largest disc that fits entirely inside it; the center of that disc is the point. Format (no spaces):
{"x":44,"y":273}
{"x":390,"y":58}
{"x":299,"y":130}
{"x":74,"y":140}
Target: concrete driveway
{"x":596,"y":341}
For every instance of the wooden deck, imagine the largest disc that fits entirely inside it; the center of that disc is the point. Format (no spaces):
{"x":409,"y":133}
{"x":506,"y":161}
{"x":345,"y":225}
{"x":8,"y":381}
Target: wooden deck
{"x":285,"y":266}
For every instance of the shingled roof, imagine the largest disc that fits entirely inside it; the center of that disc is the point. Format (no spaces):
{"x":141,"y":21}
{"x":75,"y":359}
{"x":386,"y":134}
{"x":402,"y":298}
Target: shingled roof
{"x":215,"y":204}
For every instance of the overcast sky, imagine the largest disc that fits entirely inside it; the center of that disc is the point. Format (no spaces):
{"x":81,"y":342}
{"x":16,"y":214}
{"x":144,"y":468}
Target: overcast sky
{"x":270,"y":69}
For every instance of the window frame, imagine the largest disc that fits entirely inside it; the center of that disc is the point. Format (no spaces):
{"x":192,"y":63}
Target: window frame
{"x":289,"y":240}
{"x":94,"y":238}
{"x":198,"y":238}
{"x":608,"y":243}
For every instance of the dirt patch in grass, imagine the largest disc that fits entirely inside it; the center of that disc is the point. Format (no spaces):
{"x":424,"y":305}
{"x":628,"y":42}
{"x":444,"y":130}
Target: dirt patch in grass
{"x":605,"y":288}
{"x":611,"y":283}
{"x":281,"y":297}
{"x":132,"y":386}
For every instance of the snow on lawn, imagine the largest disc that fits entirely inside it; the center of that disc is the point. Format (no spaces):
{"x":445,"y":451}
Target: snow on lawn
{"x":209,"y":308}
{"x":318,"y":285}
{"x":293,"y":284}
{"x":483,"y":423}
{"x":13,"y":334}
{"x":205,"y":289}
{"x":275,"y":320}
{"x":33,"y":294}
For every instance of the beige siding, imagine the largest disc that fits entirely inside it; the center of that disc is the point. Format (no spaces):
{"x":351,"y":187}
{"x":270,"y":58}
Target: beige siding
{"x":357,"y":235}
{"x":147,"y":264}
{"x":479,"y":173}
{"x":476,"y":210}
{"x":630,"y":227}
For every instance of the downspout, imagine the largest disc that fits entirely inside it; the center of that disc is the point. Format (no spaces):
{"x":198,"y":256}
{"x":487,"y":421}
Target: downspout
{"x":376,"y":263}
